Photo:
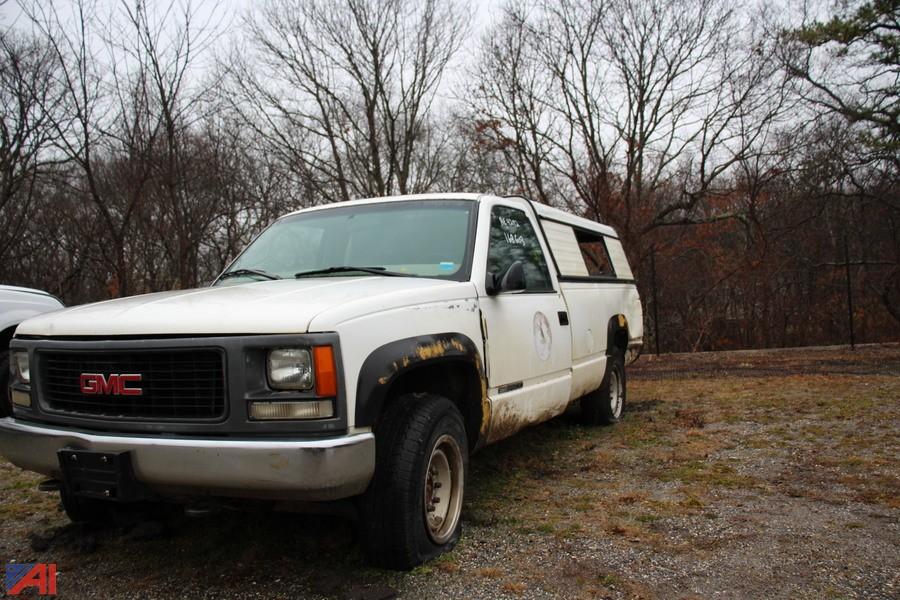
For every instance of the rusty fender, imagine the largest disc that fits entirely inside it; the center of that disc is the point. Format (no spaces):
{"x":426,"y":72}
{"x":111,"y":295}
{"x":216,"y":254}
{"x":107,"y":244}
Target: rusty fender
{"x":388,"y":363}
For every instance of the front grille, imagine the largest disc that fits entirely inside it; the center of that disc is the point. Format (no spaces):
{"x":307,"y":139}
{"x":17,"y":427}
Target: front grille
{"x":183,"y":384}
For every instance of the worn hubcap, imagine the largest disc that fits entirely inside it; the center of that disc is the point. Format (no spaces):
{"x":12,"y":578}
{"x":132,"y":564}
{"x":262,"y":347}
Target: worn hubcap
{"x":443,"y":489}
{"x":615,"y":394}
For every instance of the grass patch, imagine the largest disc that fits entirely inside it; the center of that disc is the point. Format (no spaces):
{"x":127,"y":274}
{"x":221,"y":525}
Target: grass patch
{"x":516,"y":587}
{"x":647,"y":518}
{"x":489,"y":572}
{"x":609,"y":580}
{"x":712,"y":473}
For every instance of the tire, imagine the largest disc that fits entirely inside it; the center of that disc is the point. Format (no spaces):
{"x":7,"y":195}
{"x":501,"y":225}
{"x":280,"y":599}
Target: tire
{"x":5,"y":403}
{"x":420,"y":447}
{"x":85,"y":510}
{"x":605,"y":405}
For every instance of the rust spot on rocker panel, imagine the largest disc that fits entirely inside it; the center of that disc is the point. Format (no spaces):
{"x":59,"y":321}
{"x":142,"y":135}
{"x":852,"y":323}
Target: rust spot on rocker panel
{"x":506,"y":420}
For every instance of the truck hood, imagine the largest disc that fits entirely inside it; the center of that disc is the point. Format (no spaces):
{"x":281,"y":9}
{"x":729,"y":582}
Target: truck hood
{"x":283,"y":306}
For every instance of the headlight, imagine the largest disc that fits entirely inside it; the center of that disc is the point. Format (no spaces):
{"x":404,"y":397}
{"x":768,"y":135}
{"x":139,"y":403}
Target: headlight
{"x":20,"y":367}
{"x":290,"y":369}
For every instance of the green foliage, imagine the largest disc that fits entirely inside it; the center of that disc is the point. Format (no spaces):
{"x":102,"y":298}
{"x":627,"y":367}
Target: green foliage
{"x":865,"y":42}
{"x":874,"y":24}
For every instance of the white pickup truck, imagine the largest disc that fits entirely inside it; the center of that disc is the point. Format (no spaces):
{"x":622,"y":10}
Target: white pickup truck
{"x":16,"y":305}
{"x":357,"y":350}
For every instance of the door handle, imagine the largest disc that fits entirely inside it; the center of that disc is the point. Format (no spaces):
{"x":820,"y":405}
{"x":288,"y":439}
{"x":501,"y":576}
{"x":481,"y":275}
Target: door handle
{"x":563,"y":318}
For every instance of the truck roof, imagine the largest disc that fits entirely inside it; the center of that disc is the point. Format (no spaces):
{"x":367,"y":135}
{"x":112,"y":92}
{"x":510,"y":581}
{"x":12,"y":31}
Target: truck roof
{"x":543,"y":210}
{"x":362,"y":201}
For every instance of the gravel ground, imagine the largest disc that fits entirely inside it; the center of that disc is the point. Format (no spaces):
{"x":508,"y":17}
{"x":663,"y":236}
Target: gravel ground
{"x":767,"y":474}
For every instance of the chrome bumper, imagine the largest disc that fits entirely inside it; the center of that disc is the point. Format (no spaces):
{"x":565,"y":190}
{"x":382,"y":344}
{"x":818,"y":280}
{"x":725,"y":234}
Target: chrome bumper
{"x":635,"y":346}
{"x":326,"y":469}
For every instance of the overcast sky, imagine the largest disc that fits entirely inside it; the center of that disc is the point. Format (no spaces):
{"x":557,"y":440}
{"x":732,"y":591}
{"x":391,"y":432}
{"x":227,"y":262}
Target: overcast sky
{"x":227,"y":14}
{"x":230,"y":10}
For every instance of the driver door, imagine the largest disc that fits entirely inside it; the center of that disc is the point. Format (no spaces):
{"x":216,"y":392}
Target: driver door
{"x":528,"y":346}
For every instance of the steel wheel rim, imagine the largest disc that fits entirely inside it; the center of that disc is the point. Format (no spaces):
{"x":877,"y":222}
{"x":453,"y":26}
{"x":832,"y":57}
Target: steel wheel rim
{"x":442,"y":498}
{"x":615,"y":393}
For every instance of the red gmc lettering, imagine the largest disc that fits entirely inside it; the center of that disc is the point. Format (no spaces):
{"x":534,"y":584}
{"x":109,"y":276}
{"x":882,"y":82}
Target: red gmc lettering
{"x":114,"y":385}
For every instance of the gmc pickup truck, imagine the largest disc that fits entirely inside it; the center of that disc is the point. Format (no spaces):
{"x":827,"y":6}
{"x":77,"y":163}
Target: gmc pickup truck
{"x":356,"y":350}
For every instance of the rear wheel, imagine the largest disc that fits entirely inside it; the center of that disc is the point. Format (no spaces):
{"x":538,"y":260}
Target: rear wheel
{"x":411,"y":511}
{"x":606,"y":404}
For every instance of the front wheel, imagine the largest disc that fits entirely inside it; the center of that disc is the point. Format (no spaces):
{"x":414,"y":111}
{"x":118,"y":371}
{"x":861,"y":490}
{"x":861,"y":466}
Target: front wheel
{"x":411,"y":511}
{"x":605,"y":405}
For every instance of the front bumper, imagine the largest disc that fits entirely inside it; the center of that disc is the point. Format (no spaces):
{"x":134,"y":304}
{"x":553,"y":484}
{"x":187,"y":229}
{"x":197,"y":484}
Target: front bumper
{"x":319,"y":469}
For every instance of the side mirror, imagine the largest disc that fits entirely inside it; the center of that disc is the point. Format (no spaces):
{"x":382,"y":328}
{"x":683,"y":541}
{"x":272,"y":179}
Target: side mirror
{"x":511,"y":280}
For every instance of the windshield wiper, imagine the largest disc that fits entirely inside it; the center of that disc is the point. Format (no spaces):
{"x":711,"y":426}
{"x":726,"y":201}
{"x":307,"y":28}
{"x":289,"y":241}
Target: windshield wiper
{"x":347,"y":269}
{"x":242,"y":272}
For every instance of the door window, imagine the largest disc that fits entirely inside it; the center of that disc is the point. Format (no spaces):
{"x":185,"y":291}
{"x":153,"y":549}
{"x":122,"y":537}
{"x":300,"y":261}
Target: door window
{"x":513,"y":238}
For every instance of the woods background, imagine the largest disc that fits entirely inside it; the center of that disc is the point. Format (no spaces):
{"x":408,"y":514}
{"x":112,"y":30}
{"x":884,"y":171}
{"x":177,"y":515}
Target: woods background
{"x":747,"y":153}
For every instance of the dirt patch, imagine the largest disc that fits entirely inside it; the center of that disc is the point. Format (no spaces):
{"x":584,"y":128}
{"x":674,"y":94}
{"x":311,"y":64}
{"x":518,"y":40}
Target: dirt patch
{"x":736,"y":475}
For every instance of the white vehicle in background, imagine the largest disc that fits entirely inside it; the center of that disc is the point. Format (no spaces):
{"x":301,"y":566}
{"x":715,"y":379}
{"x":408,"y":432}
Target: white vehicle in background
{"x":16,"y":305}
{"x":356,"y":350}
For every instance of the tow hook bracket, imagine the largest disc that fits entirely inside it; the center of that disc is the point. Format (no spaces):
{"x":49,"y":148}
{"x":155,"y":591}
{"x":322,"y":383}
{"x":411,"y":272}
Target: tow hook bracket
{"x":101,"y":475}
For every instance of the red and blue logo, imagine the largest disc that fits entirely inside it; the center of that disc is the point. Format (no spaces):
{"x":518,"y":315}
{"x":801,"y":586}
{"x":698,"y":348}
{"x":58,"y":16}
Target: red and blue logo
{"x":21,"y":576}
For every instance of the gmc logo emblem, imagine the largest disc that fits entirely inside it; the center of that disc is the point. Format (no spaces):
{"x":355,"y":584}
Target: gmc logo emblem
{"x":115,"y":385}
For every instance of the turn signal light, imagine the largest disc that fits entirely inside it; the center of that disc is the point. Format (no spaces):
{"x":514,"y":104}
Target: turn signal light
{"x":286,"y":411}
{"x":326,"y":372}
{"x":20,"y":398}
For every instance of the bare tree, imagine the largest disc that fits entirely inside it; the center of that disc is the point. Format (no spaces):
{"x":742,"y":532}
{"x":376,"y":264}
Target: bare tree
{"x":162,"y":48}
{"x":125,"y":112}
{"x":509,"y":101}
{"x":29,"y":100}
{"x":127,"y":165}
{"x":642,"y":109}
{"x":80,"y":124}
{"x":341,"y":89}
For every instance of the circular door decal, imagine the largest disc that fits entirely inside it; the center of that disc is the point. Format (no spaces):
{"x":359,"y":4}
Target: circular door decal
{"x":543,"y":337}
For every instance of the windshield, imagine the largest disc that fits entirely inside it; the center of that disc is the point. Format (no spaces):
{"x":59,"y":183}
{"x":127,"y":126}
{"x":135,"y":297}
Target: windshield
{"x":415,"y":238}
